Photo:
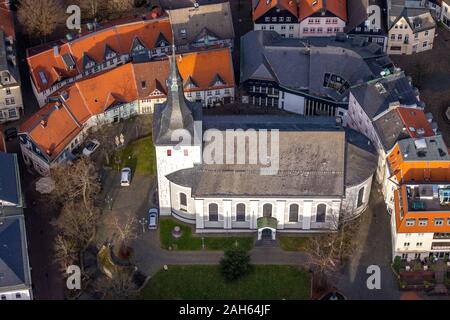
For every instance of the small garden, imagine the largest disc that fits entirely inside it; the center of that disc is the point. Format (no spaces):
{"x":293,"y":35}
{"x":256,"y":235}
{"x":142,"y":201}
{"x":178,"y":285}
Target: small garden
{"x":189,"y":242}
{"x":234,"y":279}
{"x":139,"y":156}
{"x":294,"y":243}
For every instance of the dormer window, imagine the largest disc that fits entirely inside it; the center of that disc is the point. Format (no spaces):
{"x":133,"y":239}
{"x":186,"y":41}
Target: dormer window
{"x":183,"y":33}
{"x":68,"y":61}
{"x":217,"y":81}
{"x":88,"y":62}
{"x":138,"y":47}
{"x":109,"y":53}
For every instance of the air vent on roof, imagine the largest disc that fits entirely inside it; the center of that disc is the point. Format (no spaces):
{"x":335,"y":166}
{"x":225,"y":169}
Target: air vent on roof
{"x":89,"y":26}
{"x":69,"y":37}
{"x":381,"y":89}
{"x":420,"y":144}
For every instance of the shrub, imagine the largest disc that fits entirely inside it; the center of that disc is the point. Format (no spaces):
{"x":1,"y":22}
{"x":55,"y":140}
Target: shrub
{"x":235,"y":264}
{"x":397,"y":263}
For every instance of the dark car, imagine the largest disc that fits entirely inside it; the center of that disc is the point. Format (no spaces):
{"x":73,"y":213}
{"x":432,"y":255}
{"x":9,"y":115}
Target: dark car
{"x":10,"y":133}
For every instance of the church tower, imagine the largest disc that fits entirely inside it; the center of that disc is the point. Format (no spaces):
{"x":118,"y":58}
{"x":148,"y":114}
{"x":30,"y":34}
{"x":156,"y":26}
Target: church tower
{"x":175,"y":126}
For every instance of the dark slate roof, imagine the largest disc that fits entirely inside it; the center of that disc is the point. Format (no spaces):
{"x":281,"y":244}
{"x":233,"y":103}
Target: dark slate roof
{"x":376,"y":96}
{"x":265,"y":55}
{"x":361,"y":158}
{"x":214,"y":20}
{"x":418,"y":18}
{"x":176,"y":113}
{"x":178,"y":4}
{"x":14,"y":265}
{"x":357,"y":13}
{"x":390,"y":129}
{"x":424,"y":149}
{"x":9,"y":179}
{"x":311,"y":160}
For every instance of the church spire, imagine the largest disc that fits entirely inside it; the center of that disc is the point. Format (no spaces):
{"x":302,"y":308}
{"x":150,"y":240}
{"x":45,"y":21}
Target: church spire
{"x":175,"y":81}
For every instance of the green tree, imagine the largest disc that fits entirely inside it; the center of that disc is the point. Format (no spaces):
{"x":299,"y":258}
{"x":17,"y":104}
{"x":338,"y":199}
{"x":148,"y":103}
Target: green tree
{"x":235,"y":264}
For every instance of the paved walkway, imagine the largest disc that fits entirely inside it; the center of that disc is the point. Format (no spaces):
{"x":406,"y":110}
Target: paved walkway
{"x":150,"y":258}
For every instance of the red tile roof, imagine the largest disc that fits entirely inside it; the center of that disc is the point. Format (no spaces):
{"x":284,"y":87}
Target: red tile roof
{"x":7,"y":22}
{"x":118,"y":37}
{"x":415,"y":122}
{"x":310,"y":7}
{"x":94,"y":95}
{"x":265,"y":5}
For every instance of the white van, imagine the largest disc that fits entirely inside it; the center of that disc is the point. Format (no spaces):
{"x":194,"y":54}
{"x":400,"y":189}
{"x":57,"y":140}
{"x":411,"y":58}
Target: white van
{"x":125,"y":177}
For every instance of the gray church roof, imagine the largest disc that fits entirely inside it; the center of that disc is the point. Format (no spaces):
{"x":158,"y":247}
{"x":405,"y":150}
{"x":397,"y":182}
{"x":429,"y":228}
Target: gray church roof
{"x":9,"y":179}
{"x":312,"y":161}
{"x":376,"y":96}
{"x":302,"y":65}
{"x":14,"y":264}
{"x":176,"y":113}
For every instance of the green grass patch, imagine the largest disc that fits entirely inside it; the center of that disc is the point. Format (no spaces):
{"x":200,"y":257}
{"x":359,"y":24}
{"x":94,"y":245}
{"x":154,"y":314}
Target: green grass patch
{"x":290,"y":243}
{"x":189,"y":242}
{"x":207,"y":283}
{"x":139,"y":156}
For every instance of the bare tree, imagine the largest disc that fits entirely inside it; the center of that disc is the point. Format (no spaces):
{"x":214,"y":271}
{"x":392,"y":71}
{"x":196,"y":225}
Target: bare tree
{"x":76,"y":181}
{"x":66,"y":251}
{"x":120,"y":7}
{"x":105,"y":134}
{"x":40,"y":17}
{"x":77,"y":223}
{"x":126,"y":229}
{"x":92,"y":8}
{"x":330,"y":250}
{"x":120,"y":286}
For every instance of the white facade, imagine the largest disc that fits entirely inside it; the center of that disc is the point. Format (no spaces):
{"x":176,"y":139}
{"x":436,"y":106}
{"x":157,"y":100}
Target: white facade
{"x":287,"y":30}
{"x":445,"y":14}
{"x":321,"y":26}
{"x":16,"y":295}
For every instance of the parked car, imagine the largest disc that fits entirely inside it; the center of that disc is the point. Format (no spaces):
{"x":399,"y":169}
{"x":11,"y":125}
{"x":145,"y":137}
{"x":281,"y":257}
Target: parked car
{"x":10,"y":133}
{"x":90,"y":148}
{"x":153,"y":219}
{"x":125,"y":177}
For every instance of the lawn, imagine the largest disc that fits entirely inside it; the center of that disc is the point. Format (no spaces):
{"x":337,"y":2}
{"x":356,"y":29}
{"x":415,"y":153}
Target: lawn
{"x":290,"y":243}
{"x":190,"y":242}
{"x":206,"y":283}
{"x":139,"y":156}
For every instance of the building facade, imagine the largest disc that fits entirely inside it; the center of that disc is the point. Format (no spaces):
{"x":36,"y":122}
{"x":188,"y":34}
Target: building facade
{"x":11,"y":104}
{"x":411,"y":29}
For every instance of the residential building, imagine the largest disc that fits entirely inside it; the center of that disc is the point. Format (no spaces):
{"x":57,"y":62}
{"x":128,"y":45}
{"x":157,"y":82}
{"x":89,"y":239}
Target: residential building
{"x":300,"y":195}
{"x":280,"y":16}
{"x":367,"y":19}
{"x":381,"y":109}
{"x":203,"y":26}
{"x":411,"y":29}
{"x":308,"y":78}
{"x":322,"y":17}
{"x":50,"y":136}
{"x":15,"y":280}
{"x":420,"y":198}
{"x":11,"y":104}
{"x":435,"y":7}
{"x":99,"y":48}
{"x":445,"y":13}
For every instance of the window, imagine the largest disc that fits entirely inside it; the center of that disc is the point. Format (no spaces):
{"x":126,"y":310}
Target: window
{"x":406,"y":244}
{"x":425,"y":44}
{"x":392,"y":36}
{"x":439,"y":222}
{"x":293,"y":213}
{"x":240,"y":212}
{"x":419,"y":244}
{"x":281,"y":19}
{"x":183,"y":201}
{"x":18,"y":296}
{"x":360,"y":197}
{"x":8,"y":91}
{"x":321,"y":211}
{"x":283,"y":27}
{"x":217,"y":92}
{"x":291,"y":27}
{"x":400,"y":37}
{"x":267,"y":210}
{"x":305,"y":30}
{"x":423,"y":222}
{"x":3,"y":297}
{"x":169,"y":152}
{"x":271,"y":28}
{"x":143,"y":84}
{"x":310,"y":21}
{"x":410,"y":222}
{"x":274,"y":19}
{"x":288,"y":19}
{"x":426,"y":33}
{"x":12,"y":113}
{"x":186,"y":152}
{"x":267,"y":19}
{"x":213,"y":212}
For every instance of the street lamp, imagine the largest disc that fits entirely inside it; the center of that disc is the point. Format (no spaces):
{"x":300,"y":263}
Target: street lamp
{"x":143,"y":222}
